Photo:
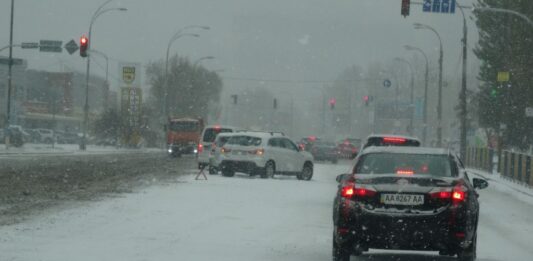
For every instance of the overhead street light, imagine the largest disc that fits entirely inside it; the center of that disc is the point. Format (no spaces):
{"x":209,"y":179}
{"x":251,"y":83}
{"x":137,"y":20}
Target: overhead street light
{"x":425,"y":109}
{"x":96,"y":14}
{"x":172,"y":39}
{"x":412,"y":91}
{"x":420,"y":26}
{"x":202,"y":59}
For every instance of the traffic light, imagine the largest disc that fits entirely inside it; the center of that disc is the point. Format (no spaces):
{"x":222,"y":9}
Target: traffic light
{"x":275,"y":103}
{"x":332,"y":103}
{"x":366,"y":100}
{"x":406,"y":4}
{"x":84,"y":43}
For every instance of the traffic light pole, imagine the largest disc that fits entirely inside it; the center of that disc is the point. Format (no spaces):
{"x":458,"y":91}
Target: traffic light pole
{"x":9,"y":76}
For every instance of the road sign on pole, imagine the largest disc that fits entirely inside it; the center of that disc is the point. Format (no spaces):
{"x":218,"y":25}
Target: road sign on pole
{"x":529,"y":111}
{"x":30,"y":45}
{"x":439,"y":6}
{"x":503,"y":76}
{"x":71,"y":47}
{"x":50,"y":46}
{"x":387,"y":83}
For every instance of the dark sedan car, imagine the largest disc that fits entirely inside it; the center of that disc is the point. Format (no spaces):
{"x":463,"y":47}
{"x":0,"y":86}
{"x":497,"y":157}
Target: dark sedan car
{"x":325,"y":151}
{"x":406,"y":198}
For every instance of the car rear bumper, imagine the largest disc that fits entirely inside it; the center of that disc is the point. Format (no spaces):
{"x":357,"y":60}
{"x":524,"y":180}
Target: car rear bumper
{"x":249,"y":167}
{"x":402,"y":232}
{"x":182,"y":149}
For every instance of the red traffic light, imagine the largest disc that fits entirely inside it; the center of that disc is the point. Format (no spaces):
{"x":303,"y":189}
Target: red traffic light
{"x":84,"y":43}
{"x":332,"y":103}
{"x":406,"y":4}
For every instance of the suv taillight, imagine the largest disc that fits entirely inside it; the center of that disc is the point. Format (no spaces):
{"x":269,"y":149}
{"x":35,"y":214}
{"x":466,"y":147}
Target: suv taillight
{"x":200,"y":148}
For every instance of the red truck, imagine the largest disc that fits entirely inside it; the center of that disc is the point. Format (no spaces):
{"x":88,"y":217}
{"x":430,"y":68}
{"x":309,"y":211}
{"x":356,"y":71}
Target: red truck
{"x":183,"y":135}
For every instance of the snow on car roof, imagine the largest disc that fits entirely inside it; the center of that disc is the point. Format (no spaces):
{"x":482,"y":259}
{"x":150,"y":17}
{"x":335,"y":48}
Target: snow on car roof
{"x":261,"y":134}
{"x":391,"y":135}
{"x":406,"y":150}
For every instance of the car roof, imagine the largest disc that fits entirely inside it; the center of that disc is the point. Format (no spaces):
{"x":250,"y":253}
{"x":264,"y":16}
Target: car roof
{"x":227,"y":134}
{"x":407,"y":150}
{"x":260,"y":134}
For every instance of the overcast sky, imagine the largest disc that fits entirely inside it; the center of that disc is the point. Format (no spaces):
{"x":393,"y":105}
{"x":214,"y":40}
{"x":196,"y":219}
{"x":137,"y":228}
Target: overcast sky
{"x":273,"y":39}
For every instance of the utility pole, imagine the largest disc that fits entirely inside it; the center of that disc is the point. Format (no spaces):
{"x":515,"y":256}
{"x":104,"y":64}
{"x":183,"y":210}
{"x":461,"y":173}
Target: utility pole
{"x":9,"y":76}
{"x":462,"y":96}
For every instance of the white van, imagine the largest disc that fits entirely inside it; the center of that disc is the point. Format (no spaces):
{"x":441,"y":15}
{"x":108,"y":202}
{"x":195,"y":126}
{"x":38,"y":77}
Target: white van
{"x":209,"y":135}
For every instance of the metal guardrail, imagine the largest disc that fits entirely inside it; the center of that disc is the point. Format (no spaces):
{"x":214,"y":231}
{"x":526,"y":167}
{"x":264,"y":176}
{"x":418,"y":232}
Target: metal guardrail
{"x":514,"y":166}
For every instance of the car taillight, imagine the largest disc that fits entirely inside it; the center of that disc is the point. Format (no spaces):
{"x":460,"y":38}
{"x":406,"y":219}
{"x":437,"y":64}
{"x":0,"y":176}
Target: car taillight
{"x":350,"y":190}
{"x":200,"y":148}
{"x":258,"y":152}
{"x":404,"y":171}
{"x":394,"y":140}
{"x":457,"y":194}
{"x":347,"y":191}
{"x":364,"y":192}
{"x":444,"y":194}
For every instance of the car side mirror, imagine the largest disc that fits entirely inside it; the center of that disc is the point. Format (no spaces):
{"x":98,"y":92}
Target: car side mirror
{"x":342,"y":177}
{"x":480,"y":183}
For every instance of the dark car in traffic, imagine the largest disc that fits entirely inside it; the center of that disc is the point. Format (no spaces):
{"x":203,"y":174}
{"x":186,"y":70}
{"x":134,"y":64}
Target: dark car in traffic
{"x":349,"y":147}
{"x":406,"y":198}
{"x":325,"y":151}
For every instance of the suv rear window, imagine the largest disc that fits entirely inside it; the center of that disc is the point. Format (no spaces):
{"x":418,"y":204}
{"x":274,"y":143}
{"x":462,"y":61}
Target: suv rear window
{"x":211,"y":133}
{"x":244,"y":141}
{"x":409,"y":164}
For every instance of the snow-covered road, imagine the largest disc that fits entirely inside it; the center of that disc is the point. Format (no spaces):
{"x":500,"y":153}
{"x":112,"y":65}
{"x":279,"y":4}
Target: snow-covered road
{"x":238,"y":218}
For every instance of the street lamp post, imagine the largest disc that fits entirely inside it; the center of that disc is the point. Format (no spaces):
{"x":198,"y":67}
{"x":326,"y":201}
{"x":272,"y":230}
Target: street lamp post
{"x":96,"y":14}
{"x":203,"y":58}
{"x":439,"y":104}
{"x":425,"y":109}
{"x":175,"y":37}
{"x":9,"y":76}
{"x":411,"y":100}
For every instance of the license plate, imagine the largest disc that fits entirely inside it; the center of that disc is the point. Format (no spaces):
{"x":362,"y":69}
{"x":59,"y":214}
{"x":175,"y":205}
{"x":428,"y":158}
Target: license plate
{"x":402,"y":199}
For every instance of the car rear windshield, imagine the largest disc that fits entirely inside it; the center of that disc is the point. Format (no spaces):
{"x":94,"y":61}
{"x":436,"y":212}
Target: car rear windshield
{"x":408,"y":164}
{"x":184,"y":126}
{"x":244,"y":141}
{"x":392,"y":141}
{"x":211,"y":133}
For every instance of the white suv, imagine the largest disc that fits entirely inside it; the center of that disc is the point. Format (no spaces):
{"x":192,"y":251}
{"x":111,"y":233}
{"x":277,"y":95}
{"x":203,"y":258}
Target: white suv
{"x":47,"y":136}
{"x":264,"y":154}
{"x":208,"y":137}
{"x":215,"y":157}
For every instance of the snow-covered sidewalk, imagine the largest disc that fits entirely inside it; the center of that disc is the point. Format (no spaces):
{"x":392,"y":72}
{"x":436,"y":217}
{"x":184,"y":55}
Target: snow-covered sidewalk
{"x":507,"y":186}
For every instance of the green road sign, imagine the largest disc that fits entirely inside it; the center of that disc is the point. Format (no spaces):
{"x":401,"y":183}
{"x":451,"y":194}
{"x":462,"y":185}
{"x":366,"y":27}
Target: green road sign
{"x":50,"y":46}
{"x":30,"y":45}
